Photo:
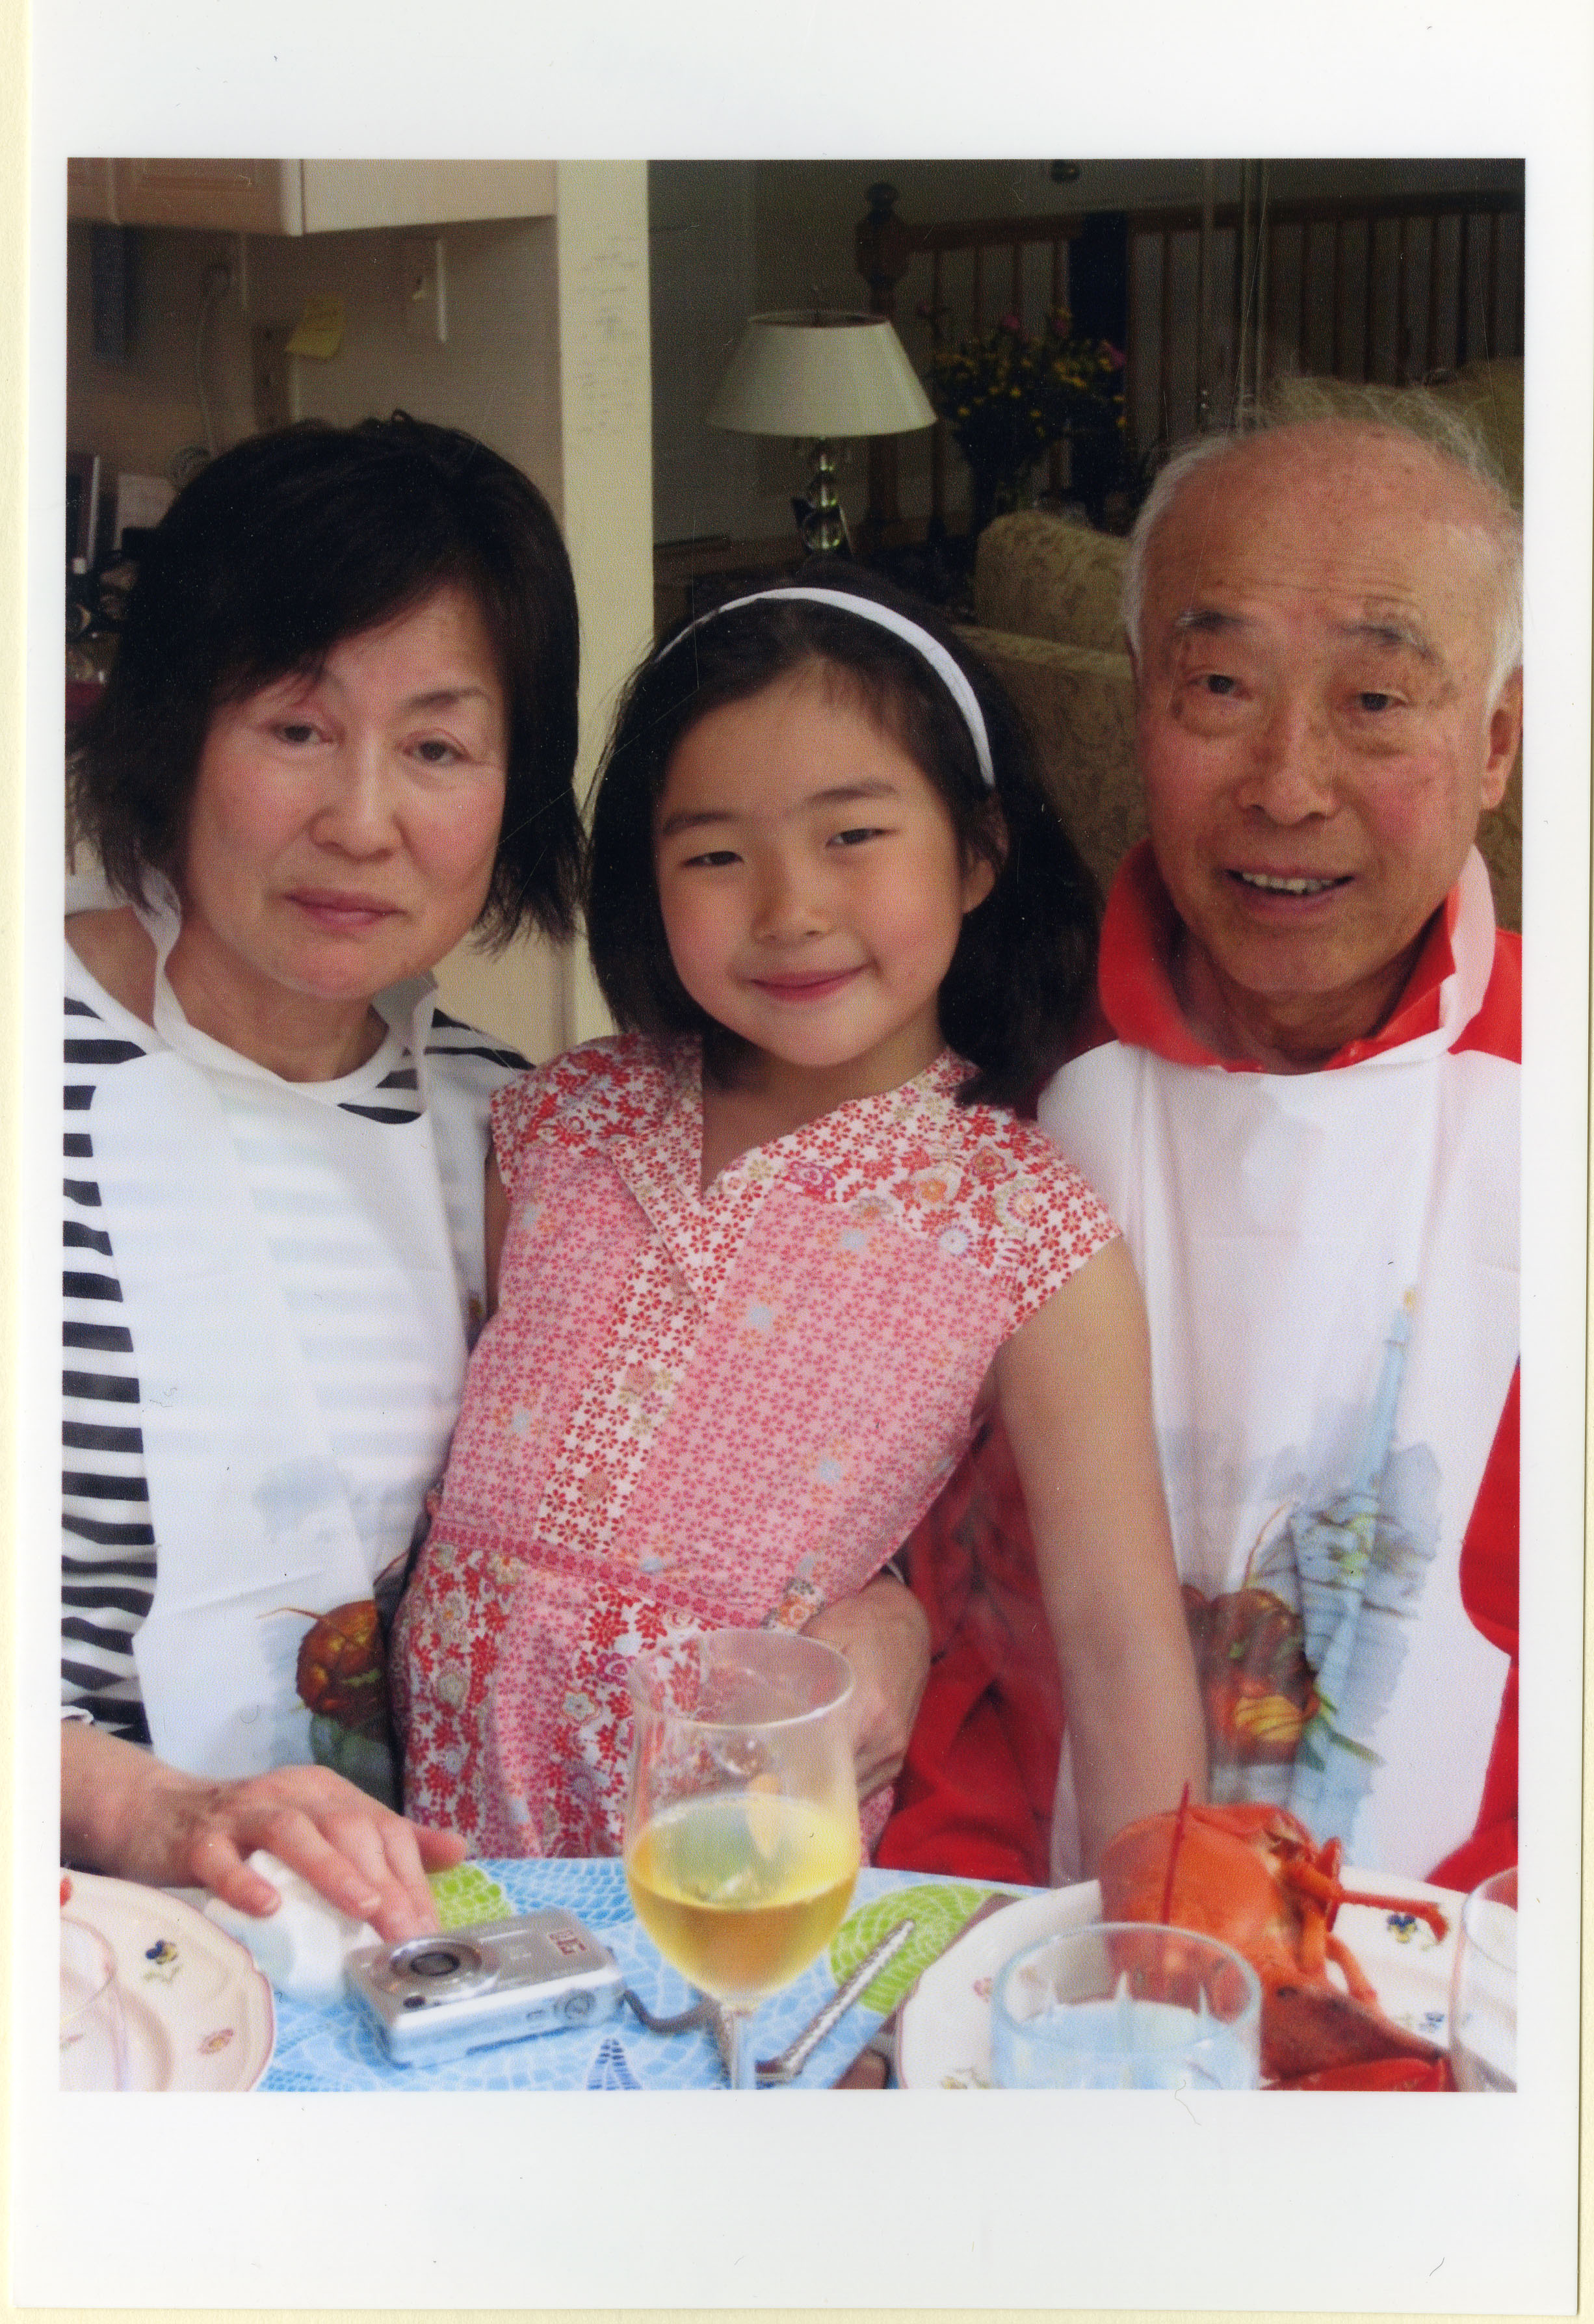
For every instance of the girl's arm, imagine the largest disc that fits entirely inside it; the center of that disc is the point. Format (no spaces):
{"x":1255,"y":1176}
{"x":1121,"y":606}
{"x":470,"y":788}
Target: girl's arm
{"x":1074,"y":1386}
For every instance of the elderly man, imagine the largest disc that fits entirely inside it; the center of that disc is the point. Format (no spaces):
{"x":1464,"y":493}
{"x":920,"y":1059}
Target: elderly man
{"x":1303,"y":1108}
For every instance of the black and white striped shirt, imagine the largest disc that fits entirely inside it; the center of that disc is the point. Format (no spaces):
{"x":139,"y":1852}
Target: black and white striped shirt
{"x":109,"y":1549}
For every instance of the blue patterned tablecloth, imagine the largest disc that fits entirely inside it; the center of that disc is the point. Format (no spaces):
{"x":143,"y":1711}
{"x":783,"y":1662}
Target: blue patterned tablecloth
{"x":335,"y":2047}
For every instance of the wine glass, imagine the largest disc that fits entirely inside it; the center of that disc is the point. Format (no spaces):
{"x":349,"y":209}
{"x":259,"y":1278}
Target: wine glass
{"x":1126,"y":2006}
{"x":742,"y":1841}
{"x":1483,"y":1988}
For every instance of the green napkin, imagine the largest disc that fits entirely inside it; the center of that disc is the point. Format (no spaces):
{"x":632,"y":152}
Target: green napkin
{"x":938,"y":1910}
{"x":465,"y":1894}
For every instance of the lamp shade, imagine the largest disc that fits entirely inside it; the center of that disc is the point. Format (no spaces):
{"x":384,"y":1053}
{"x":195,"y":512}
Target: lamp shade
{"x":820,"y":374}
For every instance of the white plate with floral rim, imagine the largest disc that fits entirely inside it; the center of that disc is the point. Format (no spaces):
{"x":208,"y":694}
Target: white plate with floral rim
{"x":943,"y":2039}
{"x":196,"y":2014}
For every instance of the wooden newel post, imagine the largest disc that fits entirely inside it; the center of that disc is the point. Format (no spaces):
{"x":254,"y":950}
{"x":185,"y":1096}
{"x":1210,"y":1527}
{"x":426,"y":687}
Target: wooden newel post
{"x":884,"y":246}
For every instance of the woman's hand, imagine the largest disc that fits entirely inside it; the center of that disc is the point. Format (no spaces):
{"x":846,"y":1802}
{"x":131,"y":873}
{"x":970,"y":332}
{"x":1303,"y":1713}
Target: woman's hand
{"x":125,"y":1811}
{"x":885,"y":1634}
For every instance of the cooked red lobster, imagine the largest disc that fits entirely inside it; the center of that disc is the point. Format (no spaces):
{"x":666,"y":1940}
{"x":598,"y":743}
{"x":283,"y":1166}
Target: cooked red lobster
{"x":1251,"y":1876}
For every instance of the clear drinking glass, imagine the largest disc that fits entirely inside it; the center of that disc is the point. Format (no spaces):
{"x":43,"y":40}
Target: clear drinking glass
{"x":93,"y":2035}
{"x":1126,"y":2006}
{"x":1483,"y":1988}
{"x":742,"y":1841}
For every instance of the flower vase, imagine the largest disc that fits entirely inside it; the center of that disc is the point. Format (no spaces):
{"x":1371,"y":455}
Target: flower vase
{"x":996,"y":492}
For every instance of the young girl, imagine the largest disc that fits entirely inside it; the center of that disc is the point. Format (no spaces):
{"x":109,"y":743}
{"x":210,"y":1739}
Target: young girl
{"x":765,"y":1258}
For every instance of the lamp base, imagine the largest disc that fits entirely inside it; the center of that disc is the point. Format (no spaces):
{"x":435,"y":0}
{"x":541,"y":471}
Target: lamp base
{"x":825,"y":528}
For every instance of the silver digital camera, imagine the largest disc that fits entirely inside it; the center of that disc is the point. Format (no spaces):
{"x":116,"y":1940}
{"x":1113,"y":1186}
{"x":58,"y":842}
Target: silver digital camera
{"x":496,"y":1981}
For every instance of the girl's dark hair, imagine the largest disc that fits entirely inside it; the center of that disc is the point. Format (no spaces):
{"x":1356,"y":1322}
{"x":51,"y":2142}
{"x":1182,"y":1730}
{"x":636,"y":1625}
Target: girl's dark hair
{"x":279,"y":550}
{"x":1023,"y":966}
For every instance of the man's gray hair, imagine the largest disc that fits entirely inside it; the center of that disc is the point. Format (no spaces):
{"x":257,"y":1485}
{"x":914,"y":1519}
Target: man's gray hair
{"x":1412,"y":411}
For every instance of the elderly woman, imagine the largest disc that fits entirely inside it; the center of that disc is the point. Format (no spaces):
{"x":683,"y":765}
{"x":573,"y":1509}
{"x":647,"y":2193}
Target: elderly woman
{"x":338,"y":736}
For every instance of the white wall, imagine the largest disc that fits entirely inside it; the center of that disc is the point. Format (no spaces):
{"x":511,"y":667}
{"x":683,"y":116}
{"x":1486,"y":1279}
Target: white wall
{"x":700,"y":234}
{"x":606,"y":364}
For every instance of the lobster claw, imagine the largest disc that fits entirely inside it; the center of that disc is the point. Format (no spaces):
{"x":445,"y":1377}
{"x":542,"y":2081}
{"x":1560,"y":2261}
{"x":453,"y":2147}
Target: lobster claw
{"x":1309,"y":2029}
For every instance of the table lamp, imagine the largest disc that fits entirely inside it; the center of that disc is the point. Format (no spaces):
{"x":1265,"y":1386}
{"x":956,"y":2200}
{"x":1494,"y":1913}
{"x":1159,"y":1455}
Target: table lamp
{"x":816,"y":376}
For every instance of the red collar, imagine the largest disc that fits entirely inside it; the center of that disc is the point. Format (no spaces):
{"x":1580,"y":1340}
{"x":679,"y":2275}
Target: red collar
{"x":1137,"y":996}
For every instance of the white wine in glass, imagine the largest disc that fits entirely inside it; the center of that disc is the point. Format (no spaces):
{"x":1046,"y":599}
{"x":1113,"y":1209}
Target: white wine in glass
{"x":742,"y":1842}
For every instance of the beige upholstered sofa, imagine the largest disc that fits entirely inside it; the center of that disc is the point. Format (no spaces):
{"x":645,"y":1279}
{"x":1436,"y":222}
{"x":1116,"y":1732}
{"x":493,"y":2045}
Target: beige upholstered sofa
{"x":1046,"y":600}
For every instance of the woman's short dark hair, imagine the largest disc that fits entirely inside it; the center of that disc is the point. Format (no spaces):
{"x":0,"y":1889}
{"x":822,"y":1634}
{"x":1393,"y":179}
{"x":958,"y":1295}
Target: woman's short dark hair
{"x":276,"y":552}
{"x":1022,"y":968}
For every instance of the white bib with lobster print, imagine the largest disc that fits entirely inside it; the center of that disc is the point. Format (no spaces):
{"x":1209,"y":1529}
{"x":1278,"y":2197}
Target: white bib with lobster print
{"x":289,"y":1279}
{"x":1331,"y":1267}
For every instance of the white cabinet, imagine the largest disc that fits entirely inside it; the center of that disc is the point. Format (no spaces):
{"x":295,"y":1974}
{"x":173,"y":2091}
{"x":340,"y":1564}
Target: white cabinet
{"x":342,"y":194}
{"x":306,"y":197}
{"x":238,"y":196}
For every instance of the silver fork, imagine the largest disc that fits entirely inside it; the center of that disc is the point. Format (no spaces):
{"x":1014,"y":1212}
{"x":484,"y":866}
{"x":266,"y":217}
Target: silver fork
{"x":796,"y":2054}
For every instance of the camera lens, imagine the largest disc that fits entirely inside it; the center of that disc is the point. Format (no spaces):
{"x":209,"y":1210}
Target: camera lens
{"x":438,"y":1962}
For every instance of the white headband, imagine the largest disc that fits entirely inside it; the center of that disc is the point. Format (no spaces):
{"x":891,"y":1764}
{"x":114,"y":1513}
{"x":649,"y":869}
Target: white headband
{"x":887,"y":618}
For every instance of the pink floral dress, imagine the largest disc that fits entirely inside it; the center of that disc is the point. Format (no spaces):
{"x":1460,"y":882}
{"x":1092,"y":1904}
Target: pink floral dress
{"x":693,"y":1411}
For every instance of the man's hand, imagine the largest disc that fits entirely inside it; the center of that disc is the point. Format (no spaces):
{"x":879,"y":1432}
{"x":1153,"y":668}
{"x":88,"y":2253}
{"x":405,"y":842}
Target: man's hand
{"x":124,"y":1812}
{"x":885,"y":1634}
